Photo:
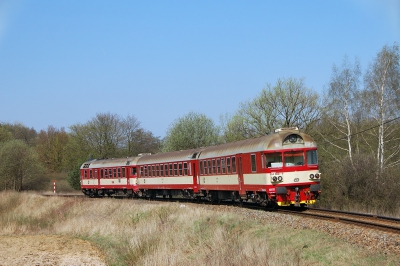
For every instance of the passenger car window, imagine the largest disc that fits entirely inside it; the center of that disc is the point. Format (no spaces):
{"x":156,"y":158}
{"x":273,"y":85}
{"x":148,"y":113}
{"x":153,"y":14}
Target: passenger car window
{"x":253,"y":163}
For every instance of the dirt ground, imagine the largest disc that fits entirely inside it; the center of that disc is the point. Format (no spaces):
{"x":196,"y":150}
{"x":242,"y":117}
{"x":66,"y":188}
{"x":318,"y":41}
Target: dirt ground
{"x":47,"y":250}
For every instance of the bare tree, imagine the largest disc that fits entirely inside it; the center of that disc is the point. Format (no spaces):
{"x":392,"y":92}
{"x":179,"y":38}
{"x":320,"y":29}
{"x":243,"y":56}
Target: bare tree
{"x":103,"y":136}
{"x":287,"y":104}
{"x":341,"y":103}
{"x":381,"y":97}
{"x":130,"y":127}
{"x":144,"y":142}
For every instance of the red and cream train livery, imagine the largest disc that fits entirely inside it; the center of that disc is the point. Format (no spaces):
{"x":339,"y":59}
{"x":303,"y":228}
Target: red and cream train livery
{"x":277,"y":169}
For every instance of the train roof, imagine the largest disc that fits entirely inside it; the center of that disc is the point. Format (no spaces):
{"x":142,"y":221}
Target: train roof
{"x":282,"y":139}
{"x":166,"y":157}
{"x":113,"y":162}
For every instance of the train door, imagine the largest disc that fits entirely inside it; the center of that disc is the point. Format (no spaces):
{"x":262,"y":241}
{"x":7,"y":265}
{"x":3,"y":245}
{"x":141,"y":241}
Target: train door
{"x":195,"y":178}
{"x":242,"y":191}
{"x":96,"y":177}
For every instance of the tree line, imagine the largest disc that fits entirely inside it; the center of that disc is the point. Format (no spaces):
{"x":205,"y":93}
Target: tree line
{"x":355,"y":123}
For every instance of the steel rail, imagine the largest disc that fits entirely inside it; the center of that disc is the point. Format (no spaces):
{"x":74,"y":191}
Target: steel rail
{"x":377,"y":222}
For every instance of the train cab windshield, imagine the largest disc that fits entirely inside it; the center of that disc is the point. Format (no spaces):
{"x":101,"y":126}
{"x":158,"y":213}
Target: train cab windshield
{"x":290,"y":158}
{"x":293,"y":158}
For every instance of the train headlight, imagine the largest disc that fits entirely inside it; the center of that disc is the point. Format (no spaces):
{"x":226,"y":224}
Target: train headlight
{"x":316,"y":176}
{"x":311,"y":176}
{"x":274,"y":178}
{"x":280,"y":178}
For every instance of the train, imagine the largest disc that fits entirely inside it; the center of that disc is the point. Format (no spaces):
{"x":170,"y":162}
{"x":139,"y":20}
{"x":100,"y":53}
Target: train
{"x":278,"y":169}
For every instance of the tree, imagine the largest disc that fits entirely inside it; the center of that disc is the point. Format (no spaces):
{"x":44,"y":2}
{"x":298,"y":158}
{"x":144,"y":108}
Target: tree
{"x":19,"y":165}
{"x":287,"y":104}
{"x":191,"y":131}
{"x":234,"y":128}
{"x":341,"y":105}
{"x":131,"y":126}
{"x":51,"y":146}
{"x":144,"y":141}
{"x":381,"y":97}
{"x":5,"y":134}
{"x":21,"y":132}
{"x":73,"y":177}
{"x":102,"y":137}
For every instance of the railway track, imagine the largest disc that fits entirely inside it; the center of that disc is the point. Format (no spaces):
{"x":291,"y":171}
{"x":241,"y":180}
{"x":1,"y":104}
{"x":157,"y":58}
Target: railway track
{"x":383,"y":223}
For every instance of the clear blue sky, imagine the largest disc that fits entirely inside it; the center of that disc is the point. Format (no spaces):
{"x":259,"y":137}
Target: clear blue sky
{"x":64,"y":61}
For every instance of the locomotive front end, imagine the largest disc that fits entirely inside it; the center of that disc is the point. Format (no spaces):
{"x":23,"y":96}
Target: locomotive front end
{"x":293,"y":170}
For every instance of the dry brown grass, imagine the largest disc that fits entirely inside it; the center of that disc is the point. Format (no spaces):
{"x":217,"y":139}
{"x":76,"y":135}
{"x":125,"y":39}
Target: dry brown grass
{"x":151,"y":233}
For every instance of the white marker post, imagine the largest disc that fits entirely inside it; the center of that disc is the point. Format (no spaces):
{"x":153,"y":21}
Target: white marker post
{"x":54,"y":186}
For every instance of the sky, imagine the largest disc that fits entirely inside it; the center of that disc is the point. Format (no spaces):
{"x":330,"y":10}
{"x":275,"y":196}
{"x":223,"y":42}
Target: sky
{"x":62,"y":62}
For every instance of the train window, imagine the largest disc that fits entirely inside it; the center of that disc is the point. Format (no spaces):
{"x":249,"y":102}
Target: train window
{"x":85,"y":174}
{"x":228,"y":165}
{"x":141,"y":171}
{"x":90,"y":173}
{"x":233,"y":164}
{"x":119,"y":172}
{"x":201,"y":168}
{"x":180,"y":169}
{"x":166,"y":169}
{"x":145,"y":171}
{"x":253,"y":163}
{"x":115,"y":172}
{"x":101,"y":173}
{"x":133,"y":170}
{"x":293,"y":158}
{"x":170,"y":170}
{"x":175,"y":169}
{"x":153,"y":170}
{"x":273,"y":159}
{"x":123,"y":172}
{"x":110,"y":173}
{"x":209,"y":166}
{"x":213,"y":166}
{"x":157,"y":170}
{"x":161,"y":170}
{"x":218,"y":166}
{"x":223,"y":165}
{"x":312,"y":157}
{"x":185,"y":168}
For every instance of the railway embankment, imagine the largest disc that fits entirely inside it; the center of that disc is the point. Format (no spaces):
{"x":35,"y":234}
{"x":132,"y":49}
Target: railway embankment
{"x":140,"y":232}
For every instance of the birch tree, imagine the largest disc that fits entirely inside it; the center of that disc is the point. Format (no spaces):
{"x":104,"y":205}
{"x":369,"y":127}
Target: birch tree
{"x":341,"y":104}
{"x":381,"y":97}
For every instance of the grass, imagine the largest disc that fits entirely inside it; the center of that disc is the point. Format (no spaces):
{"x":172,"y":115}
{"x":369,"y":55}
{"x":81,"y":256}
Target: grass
{"x":146,"y":233}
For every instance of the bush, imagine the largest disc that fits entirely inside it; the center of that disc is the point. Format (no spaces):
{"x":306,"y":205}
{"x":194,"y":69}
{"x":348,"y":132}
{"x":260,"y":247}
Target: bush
{"x":356,"y":187}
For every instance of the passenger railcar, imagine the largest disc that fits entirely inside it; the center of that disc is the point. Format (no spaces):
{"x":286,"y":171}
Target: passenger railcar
{"x":101,"y":177}
{"x":277,"y":169}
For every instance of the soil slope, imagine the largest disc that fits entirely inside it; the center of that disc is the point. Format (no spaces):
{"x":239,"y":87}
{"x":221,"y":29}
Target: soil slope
{"x":47,"y":250}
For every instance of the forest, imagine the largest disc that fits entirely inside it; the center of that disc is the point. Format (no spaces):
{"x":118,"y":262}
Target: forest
{"x":355,"y":122}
